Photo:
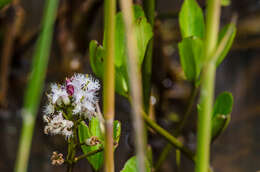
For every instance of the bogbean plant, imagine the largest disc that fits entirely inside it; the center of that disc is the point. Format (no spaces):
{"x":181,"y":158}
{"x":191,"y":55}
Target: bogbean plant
{"x":72,"y":109}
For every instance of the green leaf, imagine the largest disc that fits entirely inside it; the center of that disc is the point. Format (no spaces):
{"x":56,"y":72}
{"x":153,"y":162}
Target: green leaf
{"x":86,"y":132}
{"x":117,"y":131}
{"x":96,"y":55}
{"x":4,"y":3}
{"x":225,"y":2}
{"x":191,"y":20}
{"x":94,"y":128}
{"x":223,"y":104}
{"x":229,"y":42}
{"x":190,"y":50}
{"x":221,"y":114}
{"x":144,"y":34}
{"x":131,"y":165}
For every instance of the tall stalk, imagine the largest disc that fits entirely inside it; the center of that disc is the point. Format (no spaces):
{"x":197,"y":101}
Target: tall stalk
{"x":207,"y":86}
{"x":135,"y":81}
{"x":109,"y":83}
{"x":149,"y":9}
{"x":34,"y":89}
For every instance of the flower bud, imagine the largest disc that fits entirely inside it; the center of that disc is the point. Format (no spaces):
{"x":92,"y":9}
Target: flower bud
{"x":69,"y":87}
{"x":57,"y":159}
{"x":92,"y":141}
{"x":66,"y":100}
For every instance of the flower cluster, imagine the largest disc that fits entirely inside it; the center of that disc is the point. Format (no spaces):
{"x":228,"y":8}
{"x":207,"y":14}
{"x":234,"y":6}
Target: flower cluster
{"x":75,"y":99}
{"x":57,"y":159}
{"x":56,"y":124}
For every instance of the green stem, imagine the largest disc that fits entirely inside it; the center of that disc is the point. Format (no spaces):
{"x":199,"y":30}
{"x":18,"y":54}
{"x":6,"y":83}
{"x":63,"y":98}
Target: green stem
{"x":34,"y":89}
{"x":170,"y":138}
{"x":204,"y":118}
{"x":24,"y":144}
{"x":149,"y":9}
{"x":76,"y":159}
{"x":177,"y":132}
{"x":165,"y":152}
{"x":188,"y":112}
{"x":72,"y":148}
{"x":178,"y":160}
{"x":70,"y":157}
{"x":109,"y":83}
{"x":207,"y":86}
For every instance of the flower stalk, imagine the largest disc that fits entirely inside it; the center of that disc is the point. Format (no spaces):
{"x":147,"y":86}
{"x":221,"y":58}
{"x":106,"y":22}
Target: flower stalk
{"x":149,"y":8}
{"x":135,"y":82}
{"x":207,"y":86}
{"x":109,"y":83}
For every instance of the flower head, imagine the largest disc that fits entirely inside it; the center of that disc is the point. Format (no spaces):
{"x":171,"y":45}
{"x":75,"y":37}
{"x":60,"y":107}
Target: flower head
{"x":76,"y":97}
{"x":58,"y":125}
{"x":84,"y":94}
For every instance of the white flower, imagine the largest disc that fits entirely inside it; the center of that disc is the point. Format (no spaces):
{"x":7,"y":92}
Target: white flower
{"x":58,"y":125}
{"x":58,"y":94}
{"x":49,"y":109}
{"x":79,"y":95}
{"x":85,"y":93}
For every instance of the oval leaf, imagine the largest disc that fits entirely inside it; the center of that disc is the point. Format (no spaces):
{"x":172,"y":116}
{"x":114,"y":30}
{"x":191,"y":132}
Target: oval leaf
{"x":191,"y":19}
{"x":223,"y":104}
{"x":96,"y":55}
{"x":131,"y":165}
{"x":144,"y":34}
{"x":190,"y":50}
{"x":86,"y":132}
{"x":231,"y":38}
{"x":221,"y":114}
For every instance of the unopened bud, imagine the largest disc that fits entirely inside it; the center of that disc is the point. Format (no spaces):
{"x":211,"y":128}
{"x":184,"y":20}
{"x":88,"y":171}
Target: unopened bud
{"x":65,"y":100}
{"x":57,"y":159}
{"x":92,"y":141}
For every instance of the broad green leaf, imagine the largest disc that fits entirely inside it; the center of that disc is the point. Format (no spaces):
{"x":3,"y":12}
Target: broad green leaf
{"x":223,"y":104}
{"x":122,"y":82}
{"x":131,"y":165}
{"x":4,"y":3}
{"x":191,"y":20}
{"x":96,"y":55}
{"x":117,"y":131}
{"x":86,"y":132}
{"x":94,"y":128}
{"x":225,"y":2}
{"x":229,"y":43}
{"x":144,"y":34}
{"x":221,"y":114}
{"x":191,"y":57}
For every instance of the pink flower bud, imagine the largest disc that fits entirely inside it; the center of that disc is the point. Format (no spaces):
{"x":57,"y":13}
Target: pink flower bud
{"x":69,"y":87}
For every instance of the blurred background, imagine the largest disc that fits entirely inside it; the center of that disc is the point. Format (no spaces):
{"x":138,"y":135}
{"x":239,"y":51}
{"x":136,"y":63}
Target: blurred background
{"x":80,"y":21}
